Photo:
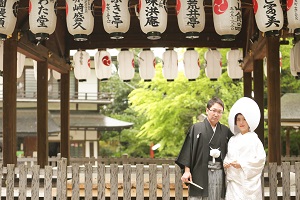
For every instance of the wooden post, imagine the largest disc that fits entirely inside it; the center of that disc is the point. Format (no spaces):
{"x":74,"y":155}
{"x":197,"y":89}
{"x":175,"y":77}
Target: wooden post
{"x":287,"y":142}
{"x":65,"y":116}
{"x":10,"y":101}
{"x":274,"y":114}
{"x":42,"y":113}
{"x":247,"y":84}
{"x":258,"y":76}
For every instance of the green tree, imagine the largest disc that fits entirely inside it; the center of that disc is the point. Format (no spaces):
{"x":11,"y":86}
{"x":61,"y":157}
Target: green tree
{"x":171,"y":107}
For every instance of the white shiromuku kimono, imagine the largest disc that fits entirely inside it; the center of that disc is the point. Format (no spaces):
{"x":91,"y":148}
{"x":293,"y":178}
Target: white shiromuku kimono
{"x":245,"y":183}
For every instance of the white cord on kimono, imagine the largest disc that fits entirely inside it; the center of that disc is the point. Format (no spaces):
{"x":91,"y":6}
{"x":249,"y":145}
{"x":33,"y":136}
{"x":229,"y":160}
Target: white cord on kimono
{"x":215,"y":153}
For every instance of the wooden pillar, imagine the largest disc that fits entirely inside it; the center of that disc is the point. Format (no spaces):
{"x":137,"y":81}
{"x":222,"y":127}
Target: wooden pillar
{"x":247,"y":84}
{"x":274,"y":115}
{"x":258,"y":75}
{"x":42,"y":113}
{"x":287,"y":142}
{"x":65,"y":116}
{"x":10,"y":101}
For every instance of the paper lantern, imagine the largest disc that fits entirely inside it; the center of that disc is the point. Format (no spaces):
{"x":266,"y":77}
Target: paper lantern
{"x":42,"y":18}
{"x":292,"y":62}
{"x":268,"y":16}
{"x":102,"y":61}
{"x":20,"y":64}
{"x":35,"y":70}
{"x":295,"y":60}
{"x":234,"y":69}
{"x":293,"y":13}
{"x":1,"y":56}
{"x":153,"y":18}
{"x":265,"y":63}
{"x":81,"y":65}
{"x":56,"y":75}
{"x":115,"y":17}
{"x":227,"y":16}
{"x":126,"y":65}
{"x":191,"y":64}
{"x":8,"y":15}
{"x":147,"y":64}
{"x":80,"y":19}
{"x":190,"y":17}
{"x":170,"y":64}
{"x":213,"y":68}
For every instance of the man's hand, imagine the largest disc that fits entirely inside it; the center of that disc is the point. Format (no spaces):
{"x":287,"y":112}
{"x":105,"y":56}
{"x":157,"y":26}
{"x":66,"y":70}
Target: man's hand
{"x":186,"y":177}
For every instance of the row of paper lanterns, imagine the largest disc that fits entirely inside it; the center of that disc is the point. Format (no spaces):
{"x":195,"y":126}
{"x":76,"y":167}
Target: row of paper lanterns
{"x":147,"y":62}
{"x":227,"y":17}
{"x":191,"y":64}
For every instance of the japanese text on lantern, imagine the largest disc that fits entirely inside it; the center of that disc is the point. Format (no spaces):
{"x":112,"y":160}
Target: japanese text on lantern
{"x":42,"y":13}
{"x":152,"y":13}
{"x":236,"y":17}
{"x":193,"y":13}
{"x":78,"y":9}
{"x":271,"y":14}
{"x":116,"y":13}
{"x":2,"y":12}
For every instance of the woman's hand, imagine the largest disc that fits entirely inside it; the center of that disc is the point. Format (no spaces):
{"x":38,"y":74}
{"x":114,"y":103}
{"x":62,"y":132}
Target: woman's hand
{"x":235,"y":165}
{"x":226,"y":165}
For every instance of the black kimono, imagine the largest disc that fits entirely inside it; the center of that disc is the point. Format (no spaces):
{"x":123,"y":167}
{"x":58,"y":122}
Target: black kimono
{"x":195,"y":154}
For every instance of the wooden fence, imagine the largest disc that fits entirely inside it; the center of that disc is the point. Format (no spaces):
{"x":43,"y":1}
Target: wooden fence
{"x":122,"y":160}
{"x":128,"y":181}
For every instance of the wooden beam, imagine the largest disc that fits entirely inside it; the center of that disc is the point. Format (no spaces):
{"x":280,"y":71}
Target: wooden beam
{"x":39,"y":52}
{"x":9,"y":101}
{"x":257,"y":52}
{"x":42,"y":113}
{"x":274,"y":107}
{"x":258,"y":83}
{"x":247,"y":81}
{"x":65,"y":116}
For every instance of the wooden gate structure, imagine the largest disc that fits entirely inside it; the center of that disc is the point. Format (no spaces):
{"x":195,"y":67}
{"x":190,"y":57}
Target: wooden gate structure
{"x":54,"y":54}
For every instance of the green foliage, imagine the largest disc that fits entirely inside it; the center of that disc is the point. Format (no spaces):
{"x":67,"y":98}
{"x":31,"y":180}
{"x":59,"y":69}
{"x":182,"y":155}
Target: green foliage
{"x":288,"y":82}
{"x":163,"y":111}
{"x":170,"y":108}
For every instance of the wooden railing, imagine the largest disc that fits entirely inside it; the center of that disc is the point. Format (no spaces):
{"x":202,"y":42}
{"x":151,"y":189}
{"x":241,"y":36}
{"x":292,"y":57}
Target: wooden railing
{"x":52,"y":161}
{"x":138,"y":181}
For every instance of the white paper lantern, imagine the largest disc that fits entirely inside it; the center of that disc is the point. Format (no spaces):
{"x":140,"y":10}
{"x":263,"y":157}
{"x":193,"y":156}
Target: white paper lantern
{"x":80,"y":19}
{"x":81,"y":65}
{"x":170,"y":64}
{"x":268,"y":16}
{"x":191,"y":64}
{"x":56,"y":75}
{"x":20,"y":64}
{"x":147,"y":64}
{"x":102,"y":61}
{"x":8,"y":15}
{"x":293,"y":13}
{"x":227,"y":17}
{"x":153,"y":18}
{"x":234,"y":69}
{"x":190,"y":17}
{"x":213,"y":68}
{"x":266,"y":66}
{"x":292,"y":62}
{"x":295,"y":66}
{"x":35,"y":70}
{"x":126,"y":65}
{"x":42,"y":18}
{"x":115,"y":17}
{"x":1,"y":56}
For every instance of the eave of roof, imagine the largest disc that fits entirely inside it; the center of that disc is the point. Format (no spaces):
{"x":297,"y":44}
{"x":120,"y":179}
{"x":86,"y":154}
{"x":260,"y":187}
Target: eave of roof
{"x":93,"y":120}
